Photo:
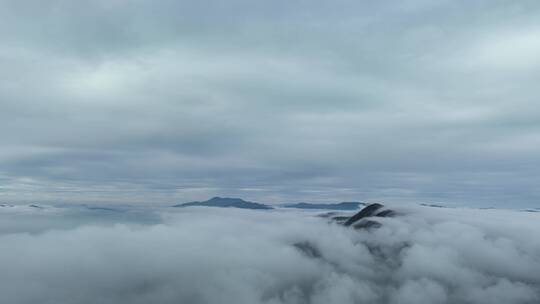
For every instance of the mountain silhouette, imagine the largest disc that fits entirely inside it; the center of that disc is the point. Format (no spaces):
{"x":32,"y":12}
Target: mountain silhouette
{"x":340,"y":206}
{"x":226,"y":202}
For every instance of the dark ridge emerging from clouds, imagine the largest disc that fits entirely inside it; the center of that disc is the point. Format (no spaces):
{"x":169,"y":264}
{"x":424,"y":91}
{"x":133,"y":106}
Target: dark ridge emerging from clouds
{"x":163,"y":101}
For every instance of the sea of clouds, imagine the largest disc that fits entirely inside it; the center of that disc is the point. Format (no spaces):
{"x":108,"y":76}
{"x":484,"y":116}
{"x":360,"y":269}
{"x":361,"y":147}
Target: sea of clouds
{"x":212,"y":255}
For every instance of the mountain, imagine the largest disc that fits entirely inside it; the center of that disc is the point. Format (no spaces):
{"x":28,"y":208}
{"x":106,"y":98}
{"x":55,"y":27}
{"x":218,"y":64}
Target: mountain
{"x":365,"y":212}
{"x":433,"y":205}
{"x":340,"y":206}
{"x":225,"y":202}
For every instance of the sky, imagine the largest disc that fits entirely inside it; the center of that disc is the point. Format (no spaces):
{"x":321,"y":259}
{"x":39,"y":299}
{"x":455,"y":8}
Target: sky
{"x":161,"y":102}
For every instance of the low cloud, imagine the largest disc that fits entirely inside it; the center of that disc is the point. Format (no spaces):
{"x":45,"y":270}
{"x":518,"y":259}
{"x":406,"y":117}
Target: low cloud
{"x":201,"y":255}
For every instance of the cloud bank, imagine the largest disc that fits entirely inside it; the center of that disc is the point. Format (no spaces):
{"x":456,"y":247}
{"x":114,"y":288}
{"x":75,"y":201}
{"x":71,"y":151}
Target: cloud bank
{"x":202,"y":255}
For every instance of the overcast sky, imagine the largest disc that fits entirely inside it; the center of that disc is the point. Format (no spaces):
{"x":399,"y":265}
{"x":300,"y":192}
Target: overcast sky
{"x":274,"y":101}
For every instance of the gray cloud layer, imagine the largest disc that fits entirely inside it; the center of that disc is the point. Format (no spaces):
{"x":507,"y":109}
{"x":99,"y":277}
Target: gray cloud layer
{"x":427,"y":255}
{"x":157,"y":101}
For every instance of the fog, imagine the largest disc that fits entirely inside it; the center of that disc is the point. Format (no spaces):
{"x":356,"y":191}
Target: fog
{"x":212,"y":255}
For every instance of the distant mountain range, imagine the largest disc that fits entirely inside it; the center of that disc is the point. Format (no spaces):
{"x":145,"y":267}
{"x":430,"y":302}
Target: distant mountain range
{"x":340,"y":206}
{"x":226,"y":202}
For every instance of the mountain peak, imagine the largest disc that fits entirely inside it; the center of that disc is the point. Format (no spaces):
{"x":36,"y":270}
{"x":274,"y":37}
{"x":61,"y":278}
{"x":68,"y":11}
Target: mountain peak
{"x":226,"y":202}
{"x":338,"y":206}
{"x":225,"y":199}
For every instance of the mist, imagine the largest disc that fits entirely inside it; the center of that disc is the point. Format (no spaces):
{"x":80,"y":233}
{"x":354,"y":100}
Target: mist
{"x":213,"y":255}
{"x":119,"y":119}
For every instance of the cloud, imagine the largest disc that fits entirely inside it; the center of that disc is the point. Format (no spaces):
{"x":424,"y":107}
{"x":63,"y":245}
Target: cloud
{"x":112,"y":98}
{"x":507,"y":50}
{"x":201,"y":255}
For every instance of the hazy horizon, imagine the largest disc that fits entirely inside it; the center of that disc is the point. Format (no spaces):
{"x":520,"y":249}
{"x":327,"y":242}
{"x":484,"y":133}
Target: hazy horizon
{"x":120,"y":120}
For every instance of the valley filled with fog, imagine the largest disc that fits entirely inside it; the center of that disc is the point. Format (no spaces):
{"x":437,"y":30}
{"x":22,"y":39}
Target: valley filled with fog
{"x":124,"y":122}
{"x":423,"y":254}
